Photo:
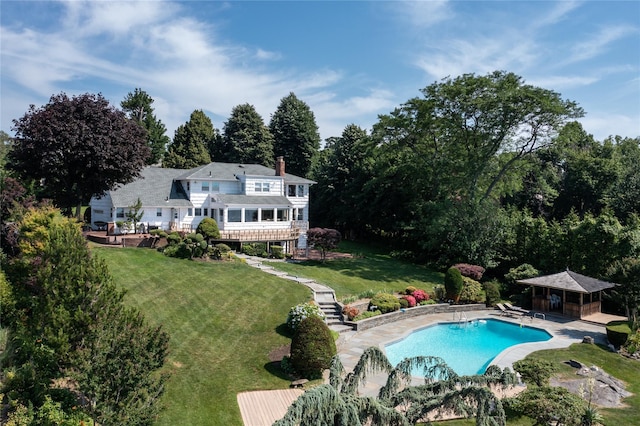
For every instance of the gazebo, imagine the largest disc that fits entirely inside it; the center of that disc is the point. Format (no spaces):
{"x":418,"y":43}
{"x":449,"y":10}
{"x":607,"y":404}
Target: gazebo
{"x":567,"y":293}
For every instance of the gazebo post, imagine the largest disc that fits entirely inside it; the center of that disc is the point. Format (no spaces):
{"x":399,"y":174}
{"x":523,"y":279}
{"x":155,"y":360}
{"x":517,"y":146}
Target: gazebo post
{"x":564,"y":302}
{"x":581,"y":304}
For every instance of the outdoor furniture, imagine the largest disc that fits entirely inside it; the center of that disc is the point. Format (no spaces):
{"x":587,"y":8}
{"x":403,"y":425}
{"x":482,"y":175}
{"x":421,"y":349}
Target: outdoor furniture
{"x":506,"y":312}
{"x":517,"y":309}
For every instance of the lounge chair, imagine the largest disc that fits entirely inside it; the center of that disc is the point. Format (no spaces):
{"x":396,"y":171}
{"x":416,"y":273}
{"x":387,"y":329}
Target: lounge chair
{"x":517,"y":309}
{"x":506,"y":312}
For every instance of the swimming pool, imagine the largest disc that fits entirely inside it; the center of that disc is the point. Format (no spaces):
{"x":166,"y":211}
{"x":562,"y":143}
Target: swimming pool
{"x":467,"y":347}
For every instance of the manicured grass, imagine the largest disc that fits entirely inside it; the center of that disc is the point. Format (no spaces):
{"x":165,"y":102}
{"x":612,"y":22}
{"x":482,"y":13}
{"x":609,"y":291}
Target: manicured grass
{"x":369,"y":269}
{"x":619,"y":367}
{"x":224,"y":319}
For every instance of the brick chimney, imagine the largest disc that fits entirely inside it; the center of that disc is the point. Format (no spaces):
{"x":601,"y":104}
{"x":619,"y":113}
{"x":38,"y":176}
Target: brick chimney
{"x":280,"y":166}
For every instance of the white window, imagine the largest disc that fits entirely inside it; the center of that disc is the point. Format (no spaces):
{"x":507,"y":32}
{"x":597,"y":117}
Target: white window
{"x":120,"y":212}
{"x":189,"y":211}
{"x":291,"y":190}
{"x":261,"y":187}
{"x":283,"y":215}
{"x":159,"y":212}
{"x":267,"y":215}
{"x":215,"y":186}
{"x":198,"y":211}
{"x":205,"y":186}
{"x":300,"y":190}
{"x":98,"y":211}
{"x":205,"y":212}
{"x":250,"y":215}
{"x":235,"y":215}
{"x":299,"y":214}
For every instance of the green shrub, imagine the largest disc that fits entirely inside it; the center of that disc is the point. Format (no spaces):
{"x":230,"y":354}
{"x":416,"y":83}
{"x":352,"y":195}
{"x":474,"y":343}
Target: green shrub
{"x":439,"y":293}
{"x":404,"y":303}
{"x":174,"y":238}
{"x":223,"y":248}
{"x":471,"y":290}
{"x":385,"y":302}
{"x":302,"y":311}
{"x":277,"y":252}
{"x":535,"y":371}
{"x":453,"y":283}
{"x":427,"y":302}
{"x":367,"y":314}
{"x":548,"y":405}
{"x":492,"y":292}
{"x":208,"y":227}
{"x":410,"y":289}
{"x":312,"y":348}
{"x":618,"y":332}
{"x":633,"y":343}
{"x":367,"y":294}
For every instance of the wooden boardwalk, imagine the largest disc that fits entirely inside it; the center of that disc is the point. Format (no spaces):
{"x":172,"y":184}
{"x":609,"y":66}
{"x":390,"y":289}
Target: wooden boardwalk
{"x":262,"y":408}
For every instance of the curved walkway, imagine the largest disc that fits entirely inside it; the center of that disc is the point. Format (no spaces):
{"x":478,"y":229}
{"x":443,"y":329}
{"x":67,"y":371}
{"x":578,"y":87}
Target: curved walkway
{"x":565,"y":332}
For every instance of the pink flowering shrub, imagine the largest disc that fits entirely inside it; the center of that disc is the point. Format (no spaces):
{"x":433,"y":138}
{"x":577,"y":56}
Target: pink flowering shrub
{"x":471,"y":271}
{"x":411,"y":300}
{"x":420,"y":295}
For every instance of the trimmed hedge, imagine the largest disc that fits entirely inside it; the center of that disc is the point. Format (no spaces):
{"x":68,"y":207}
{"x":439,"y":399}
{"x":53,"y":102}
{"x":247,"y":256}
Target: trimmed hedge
{"x":312,"y":348}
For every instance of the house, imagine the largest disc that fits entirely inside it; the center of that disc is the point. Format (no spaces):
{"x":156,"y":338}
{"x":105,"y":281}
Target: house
{"x":250,"y":202}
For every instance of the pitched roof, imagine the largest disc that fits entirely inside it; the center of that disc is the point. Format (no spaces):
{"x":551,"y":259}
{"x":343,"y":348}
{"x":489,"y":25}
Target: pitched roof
{"x":569,"y":280}
{"x":156,"y":187}
{"x":228,"y":171}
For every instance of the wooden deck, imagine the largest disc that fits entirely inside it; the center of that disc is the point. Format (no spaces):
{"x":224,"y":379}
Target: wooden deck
{"x":601,"y":318}
{"x":262,"y":408}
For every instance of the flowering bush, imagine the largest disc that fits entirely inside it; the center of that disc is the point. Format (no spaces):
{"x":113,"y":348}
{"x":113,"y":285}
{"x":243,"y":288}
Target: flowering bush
{"x":411,"y":300}
{"x":302,"y":311}
{"x":420,"y":295}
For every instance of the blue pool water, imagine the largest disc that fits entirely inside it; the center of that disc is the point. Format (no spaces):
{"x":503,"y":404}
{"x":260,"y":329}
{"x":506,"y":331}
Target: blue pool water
{"x":468,"y":347}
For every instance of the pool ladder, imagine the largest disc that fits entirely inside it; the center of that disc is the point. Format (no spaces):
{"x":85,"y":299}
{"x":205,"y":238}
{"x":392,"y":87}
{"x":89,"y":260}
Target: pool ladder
{"x":460,"y":317}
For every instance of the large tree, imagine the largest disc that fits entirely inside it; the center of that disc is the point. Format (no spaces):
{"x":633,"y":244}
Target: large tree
{"x":190,"y":144}
{"x":295,"y":134}
{"x":138,"y":107}
{"x":71,"y":337}
{"x":342,"y":170}
{"x":76,"y":148}
{"x":246,"y":139}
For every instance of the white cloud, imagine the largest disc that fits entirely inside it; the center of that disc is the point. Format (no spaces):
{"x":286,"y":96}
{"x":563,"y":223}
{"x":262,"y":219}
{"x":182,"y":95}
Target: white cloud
{"x":603,"y":125}
{"x":562,"y":82}
{"x":557,"y":14}
{"x":599,"y":43}
{"x":422,"y":14}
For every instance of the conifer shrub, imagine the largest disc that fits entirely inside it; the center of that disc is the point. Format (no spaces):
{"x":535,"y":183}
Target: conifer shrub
{"x":492,"y":292}
{"x":535,"y":371}
{"x":312,"y":348}
{"x":410,"y":289}
{"x":385,"y":302}
{"x":277,"y":252}
{"x":453,"y":283}
{"x":404,"y":303}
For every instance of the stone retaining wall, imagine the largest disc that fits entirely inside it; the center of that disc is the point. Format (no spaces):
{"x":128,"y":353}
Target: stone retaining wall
{"x":405,"y":313}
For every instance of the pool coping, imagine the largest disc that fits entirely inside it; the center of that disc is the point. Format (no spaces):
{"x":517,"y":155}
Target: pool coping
{"x":564,"y":332}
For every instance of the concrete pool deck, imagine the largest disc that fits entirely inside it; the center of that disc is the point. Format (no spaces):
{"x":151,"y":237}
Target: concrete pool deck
{"x":564,"y":331}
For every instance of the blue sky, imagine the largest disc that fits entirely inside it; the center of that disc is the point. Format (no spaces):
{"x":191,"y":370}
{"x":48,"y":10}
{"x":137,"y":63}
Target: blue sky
{"x":349,"y":61}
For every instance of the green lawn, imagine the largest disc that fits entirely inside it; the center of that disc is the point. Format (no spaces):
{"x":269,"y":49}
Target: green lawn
{"x":223,"y":320}
{"x":369,"y":269}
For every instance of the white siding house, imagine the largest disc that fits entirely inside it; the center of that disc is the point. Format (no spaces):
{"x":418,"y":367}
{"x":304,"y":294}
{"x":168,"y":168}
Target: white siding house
{"x":249,"y":202}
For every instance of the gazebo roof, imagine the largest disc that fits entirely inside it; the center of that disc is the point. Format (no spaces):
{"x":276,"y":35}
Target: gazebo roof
{"x":569,"y":280}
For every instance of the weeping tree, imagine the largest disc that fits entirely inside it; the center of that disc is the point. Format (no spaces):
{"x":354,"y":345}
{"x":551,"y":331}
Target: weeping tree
{"x":398,"y":402}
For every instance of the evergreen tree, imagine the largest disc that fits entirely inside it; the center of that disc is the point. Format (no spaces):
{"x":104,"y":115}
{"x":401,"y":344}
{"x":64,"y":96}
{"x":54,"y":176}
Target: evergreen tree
{"x":72,"y":340}
{"x":295,"y":134}
{"x":137,"y":105}
{"x":191,"y":142}
{"x":246,"y":138}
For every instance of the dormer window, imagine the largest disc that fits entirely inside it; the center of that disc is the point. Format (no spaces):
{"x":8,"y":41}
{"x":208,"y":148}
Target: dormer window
{"x":262,"y":187}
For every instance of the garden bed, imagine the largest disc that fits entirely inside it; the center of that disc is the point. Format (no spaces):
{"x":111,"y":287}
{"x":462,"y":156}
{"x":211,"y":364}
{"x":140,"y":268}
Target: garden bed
{"x":405,"y":313}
